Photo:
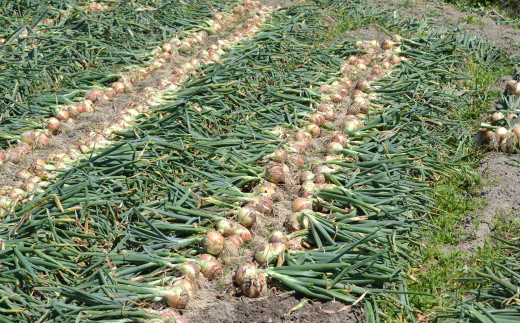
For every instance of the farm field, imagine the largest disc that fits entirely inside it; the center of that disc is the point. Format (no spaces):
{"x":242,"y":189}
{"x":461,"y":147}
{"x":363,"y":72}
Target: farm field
{"x":259,"y":161}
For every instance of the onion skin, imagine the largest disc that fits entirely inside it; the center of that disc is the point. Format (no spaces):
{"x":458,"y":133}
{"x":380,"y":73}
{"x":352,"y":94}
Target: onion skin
{"x":262,"y":204}
{"x":247,"y":217}
{"x":176,"y":297}
{"x":190,"y":270}
{"x":53,"y":124}
{"x":274,"y":173}
{"x":279,"y":155}
{"x":301,"y":204}
{"x":266,"y":188}
{"x":213,"y":243}
{"x":245,"y":270}
{"x":294,"y":244}
{"x":236,"y":240}
{"x":243,"y":233}
{"x":210,"y":267}
{"x":501,"y":132}
{"x":278,"y":236}
{"x":225,"y":227}
{"x":254,"y":287}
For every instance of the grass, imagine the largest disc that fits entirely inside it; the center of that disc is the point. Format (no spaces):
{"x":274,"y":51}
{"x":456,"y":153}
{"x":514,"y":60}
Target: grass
{"x":472,"y":19}
{"x":445,"y":268}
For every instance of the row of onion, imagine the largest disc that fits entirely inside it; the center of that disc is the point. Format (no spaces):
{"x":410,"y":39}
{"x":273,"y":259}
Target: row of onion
{"x":249,"y":275}
{"x":36,"y":178}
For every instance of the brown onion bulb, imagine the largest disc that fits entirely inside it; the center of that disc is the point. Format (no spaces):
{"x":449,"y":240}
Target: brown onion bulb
{"x":264,"y":253}
{"x":266,"y":188}
{"x":176,"y":297}
{"x":244,"y":271}
{"x":243,"y":233}
{"x":254,"y":287}
{"x":301,"y":204}
{"x":29,"y":137}
{"x":294,"y":244}
{"x":53,"y":124}
{"x":225,"y":227}
{"x":274,"y":173}
{"x":63,"y":115}
{"x":210,"y":267}
{"x":247,"y":217}
{"x":516,"y":130}
{"x":236,"y":240}
{"x":213,"y":243}
{"x":279,"y":155}
{"x":313,"y":129}
{"x":306,"y":176}
{"x":501,"y":132}
{"x":118,"y":87}
{"x":278,"y":236}
{"x":189,"y":269}
{"x":262,"y":204}
{"x":317,"y":119}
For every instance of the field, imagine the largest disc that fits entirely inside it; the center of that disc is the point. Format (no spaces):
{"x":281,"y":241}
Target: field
{"x":259,"y":161}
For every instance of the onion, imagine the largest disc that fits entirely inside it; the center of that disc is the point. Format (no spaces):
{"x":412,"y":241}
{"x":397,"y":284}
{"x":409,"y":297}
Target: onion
{"x":279,"y":131}
{"x":254,"y":287}
{"x":225,"y":227}
{"x":516,"y":130}
{"x":210,"y":267}
{"x":243,"y":233}
{"x":294,"y":244}
{"x":292,"y":223}
{"x":329,"y":115}
{"x":363,"y":86}
{"x":264,"y":253}
{"x":302,"y":204}
{"x":262,"y":204}
{"x":513,"y":87}
{"x":23,"y":175}
{"x":337,"y":98}
{"x":334,"y":147}
{"x":339,"y":137}
{"x":29,"y":137}
{"x":166,"y":47}
{"x":188,"y":285}
{"x":497,"y":116}
{"x":189,"y":269}
{"x":176,"y":297}
{"x":218,"y":16}
{"x":53,"y":124}
{"x":236,"y":240}
{"x":351,"y":124}
{"x":302,"y":135}
{"x":279,"y":155}
{"x":274,"y":173}
{"x":247,"y":217}
{"x":63,"y":115}
{"x":319,"y":178}
{"x":277,"y":236}
{"x":313,"y":129}
{"x":501,"y":132}
{"x":317,"y":119}
{"x":213,"y":243}
{"x":387,"y":44}
{"x":325,"y":89}
{"x":308,"y":187}
{"x":244,"y":271}
{"x":94,"y":95}
{"x":297,"y":160}
{"x":322,"y":108}
{"x":118,"y":87}
{"x":306,"y":176}
{"x":3,"y":157}
{"x":266,"y":188}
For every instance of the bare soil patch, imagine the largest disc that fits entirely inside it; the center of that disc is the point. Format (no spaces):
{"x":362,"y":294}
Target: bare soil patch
{"x":500,"y":187}
{"x":231,"y":308}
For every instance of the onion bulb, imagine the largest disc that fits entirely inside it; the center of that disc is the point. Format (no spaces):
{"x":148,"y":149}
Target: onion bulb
{"x":190,"y":270}
{"x":243,"y":233}
{"x":497,"y":116}
{"x":213,"y":243}
{"x":264,"y":253}
{"x":266,"y":188}
{"x":236,"y":240}
{"x":516,"y":130}
{"x":176,"y":297}
{"x":244,"y":271}
{"x":210,"y":267}
{"x":247,"y":217}
{"x":254,"y":287}
{"x":274,"y":173}
{"x":277,"y":236}
{"x":501,"y":132}
{"x":313,"y":129}
{"x":279,"y":155}
{"x":53,"y":124}
{"x":262,"y":204}
{"x":301,"y":204}
{"x":225,"y":227}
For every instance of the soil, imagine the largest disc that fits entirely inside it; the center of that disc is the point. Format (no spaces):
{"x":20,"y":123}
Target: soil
{"x":230,"y":308}
{"x":500,"y":186}
{"x":447,"y":15}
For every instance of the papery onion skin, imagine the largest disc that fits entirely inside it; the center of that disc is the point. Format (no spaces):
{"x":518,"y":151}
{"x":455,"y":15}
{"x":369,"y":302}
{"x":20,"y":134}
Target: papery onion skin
{"x":254,"y":287}
{"x":213,"y":243}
